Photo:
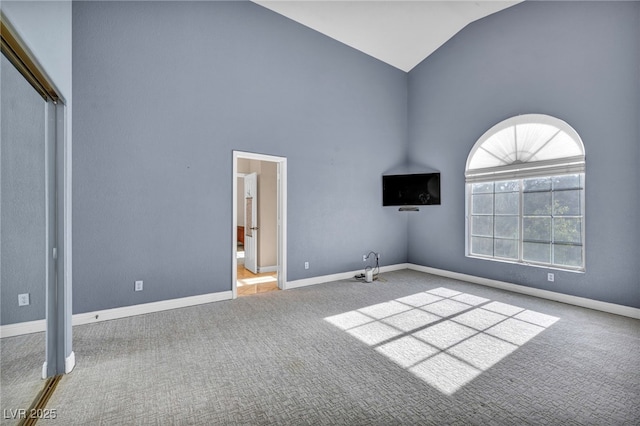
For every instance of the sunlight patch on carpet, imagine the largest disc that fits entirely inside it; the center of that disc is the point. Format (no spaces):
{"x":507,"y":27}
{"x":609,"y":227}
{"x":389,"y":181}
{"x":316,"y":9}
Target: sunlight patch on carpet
{"x":445,"y":337}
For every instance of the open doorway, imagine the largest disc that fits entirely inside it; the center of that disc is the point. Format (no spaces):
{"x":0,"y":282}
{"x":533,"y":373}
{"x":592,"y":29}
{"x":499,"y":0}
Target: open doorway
{"x":259,"y":223}
{"x":257,"y":227}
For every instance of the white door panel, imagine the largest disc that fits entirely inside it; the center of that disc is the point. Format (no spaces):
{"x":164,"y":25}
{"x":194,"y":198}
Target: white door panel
{"x":251,"y":222}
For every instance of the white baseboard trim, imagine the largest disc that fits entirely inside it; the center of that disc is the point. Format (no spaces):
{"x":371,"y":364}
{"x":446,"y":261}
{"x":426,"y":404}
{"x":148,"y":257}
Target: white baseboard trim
{"x":70,"y":362}
{"x":583,"y":302}
{"x":340,"y":276}
{"x":28,"y":327}
{"x":263,"y":269}
{"x":11,"y":330}
{"x":147,"y":308}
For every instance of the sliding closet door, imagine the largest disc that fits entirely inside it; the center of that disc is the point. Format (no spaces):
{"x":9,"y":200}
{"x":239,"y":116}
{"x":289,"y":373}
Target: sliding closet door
{"x":27,"y":233}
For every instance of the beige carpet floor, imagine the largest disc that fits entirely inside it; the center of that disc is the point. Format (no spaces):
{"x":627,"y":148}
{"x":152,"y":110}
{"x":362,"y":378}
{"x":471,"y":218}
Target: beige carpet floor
{"x":411,"y":349}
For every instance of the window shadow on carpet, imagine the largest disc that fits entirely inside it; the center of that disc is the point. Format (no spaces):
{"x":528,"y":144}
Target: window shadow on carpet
{"x":445,"y":337}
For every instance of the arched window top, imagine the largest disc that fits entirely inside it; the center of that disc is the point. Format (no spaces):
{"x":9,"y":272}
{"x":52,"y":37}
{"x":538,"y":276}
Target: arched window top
{"x":526,"y":145}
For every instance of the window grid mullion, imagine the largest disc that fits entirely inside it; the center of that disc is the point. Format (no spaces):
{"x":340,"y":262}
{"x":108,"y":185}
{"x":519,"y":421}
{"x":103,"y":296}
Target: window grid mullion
{"x":553,"y":225}
{"x":494,"y":220}
{"x":521,"y":221}
{"x":582,"y":212}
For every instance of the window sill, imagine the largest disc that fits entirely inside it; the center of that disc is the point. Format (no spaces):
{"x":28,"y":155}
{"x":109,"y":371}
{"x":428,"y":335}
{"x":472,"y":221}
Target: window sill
{"x":532,"y":264}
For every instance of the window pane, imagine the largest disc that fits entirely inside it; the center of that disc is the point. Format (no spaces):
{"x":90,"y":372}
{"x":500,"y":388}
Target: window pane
{"x":536,"y":252}
{"x":508,"y":186}
{"x":567,"y":230}
{"x":567,"y":203}
{"x":506,"y":226}
{"x":537,"y":203}
{"x":478,"y":188}
{"x":536,"y":229}
{"x":506,"y":248}
{"x":567,"y":182}
{"x":507,"y":203}
{"x":482,"y":225}
{"x":482,"y":204}
{"x":567,"y":255}
{"x":481,"y":245}
{"x":537,"y":184}
{"x":549,"y":230}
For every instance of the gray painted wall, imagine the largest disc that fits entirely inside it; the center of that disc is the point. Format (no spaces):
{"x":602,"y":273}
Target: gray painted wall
{"x":23,"y":213}
{"x":578,"y":61}
{"x":164,"y":92}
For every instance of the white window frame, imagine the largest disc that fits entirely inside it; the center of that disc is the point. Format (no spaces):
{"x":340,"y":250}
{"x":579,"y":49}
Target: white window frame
{"x":574,"y":164}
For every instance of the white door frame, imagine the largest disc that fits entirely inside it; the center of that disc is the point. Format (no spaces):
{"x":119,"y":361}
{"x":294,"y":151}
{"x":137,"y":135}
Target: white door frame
{"x":281,"y":216}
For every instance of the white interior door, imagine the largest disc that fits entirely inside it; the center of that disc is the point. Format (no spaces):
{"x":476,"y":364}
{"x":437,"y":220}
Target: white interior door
{"x":251,"y":222}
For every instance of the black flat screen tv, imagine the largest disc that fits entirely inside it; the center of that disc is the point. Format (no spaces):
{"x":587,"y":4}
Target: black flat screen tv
{"x":411,"y":189}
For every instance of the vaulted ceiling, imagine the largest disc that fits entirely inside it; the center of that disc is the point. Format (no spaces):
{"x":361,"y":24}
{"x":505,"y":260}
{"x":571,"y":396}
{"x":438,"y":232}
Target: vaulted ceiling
{"x":400,"y":33}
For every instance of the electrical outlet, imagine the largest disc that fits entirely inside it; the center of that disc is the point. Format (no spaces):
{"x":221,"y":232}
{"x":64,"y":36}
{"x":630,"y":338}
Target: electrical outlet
{"x":23,"y":299}
{"x":306,"y":265}
{"x":550,"y":277}
{"x":364,"y":257}
{"x":138,"y":286}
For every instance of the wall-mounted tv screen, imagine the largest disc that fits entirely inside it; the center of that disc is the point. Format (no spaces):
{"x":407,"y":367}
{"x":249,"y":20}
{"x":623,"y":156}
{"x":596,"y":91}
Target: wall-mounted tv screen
{"x":411,"y":189}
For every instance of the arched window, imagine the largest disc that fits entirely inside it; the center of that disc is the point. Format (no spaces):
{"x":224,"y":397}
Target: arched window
{"x":525,"y":193}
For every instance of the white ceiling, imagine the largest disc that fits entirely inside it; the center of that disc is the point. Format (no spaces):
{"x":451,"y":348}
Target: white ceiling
{"x":400,"y":33}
